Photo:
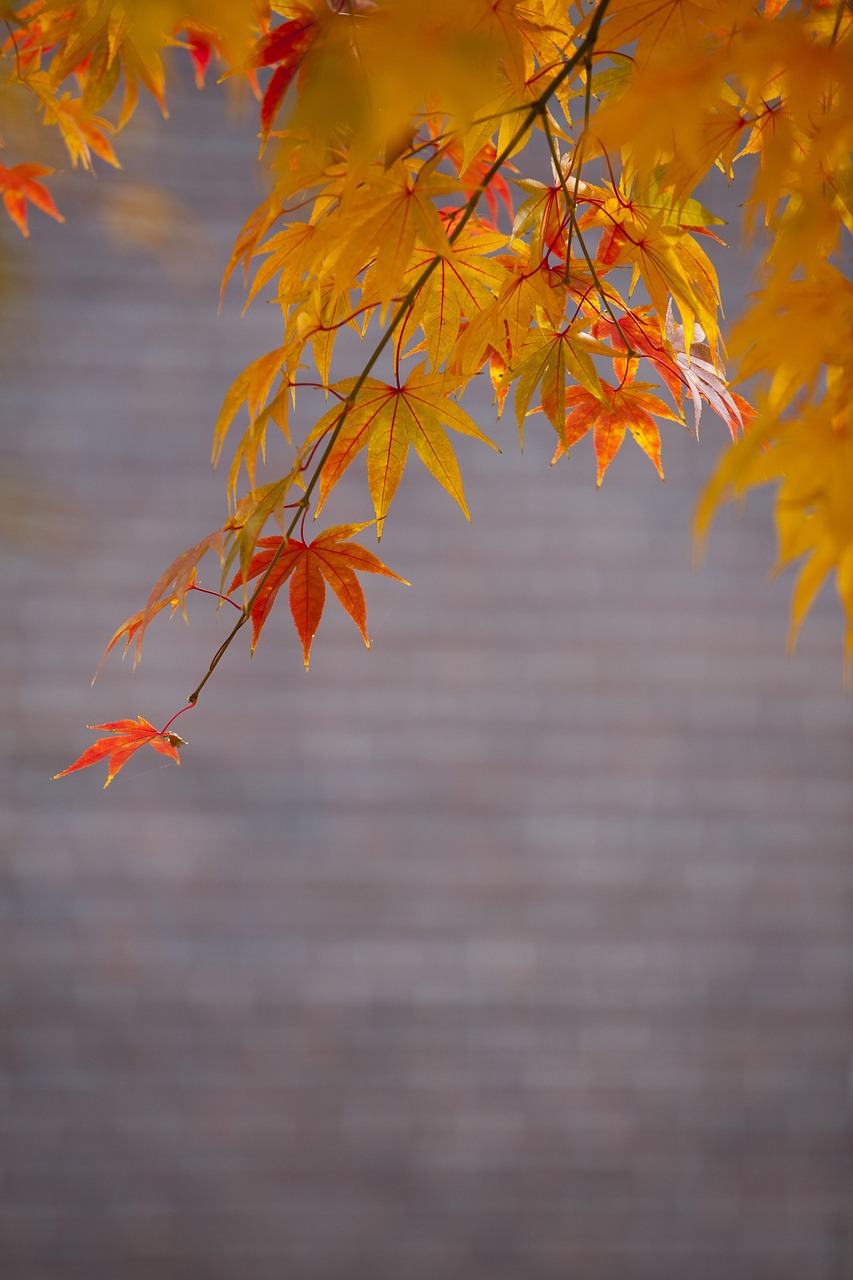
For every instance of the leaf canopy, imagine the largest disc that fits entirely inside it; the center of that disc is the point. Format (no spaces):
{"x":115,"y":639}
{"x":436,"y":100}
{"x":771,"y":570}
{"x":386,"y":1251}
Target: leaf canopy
{"x":501,"y":186}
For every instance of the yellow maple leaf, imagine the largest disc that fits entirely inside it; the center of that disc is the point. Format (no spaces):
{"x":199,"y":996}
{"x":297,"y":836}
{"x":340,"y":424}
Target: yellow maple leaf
{"x":386,"y":420}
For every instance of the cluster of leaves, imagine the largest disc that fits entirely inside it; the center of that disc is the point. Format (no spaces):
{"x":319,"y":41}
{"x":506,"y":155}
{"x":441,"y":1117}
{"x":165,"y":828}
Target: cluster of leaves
{"x":501,"y":188}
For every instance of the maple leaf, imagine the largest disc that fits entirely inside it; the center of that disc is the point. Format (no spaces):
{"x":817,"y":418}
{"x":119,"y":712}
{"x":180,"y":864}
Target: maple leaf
{"x":703,"y":379}
{"x":628,"y":407}
{"x":527,"y":289}
{"x":82,"y":132}
{"x":19,"y":185}
{"x":284,"y":48}
{"x":132,"y":629}
{"x":474,"y":172}
{"x":170,"y":589}
{"x":651,"y":239}
{"x":459,"y":286}
{"x":382,"y":219}
{"x":331,"y":558}
{"x":129,"y":736}
{"x":547,"y":357}
{"x":200,"y":45}
{"x":251,"y":514}
{"x":642,"y":333}
{"x":251,"y":387}
{"x":386,"y":420}
{"x":658,"y":26}
{"x":545,"y":209}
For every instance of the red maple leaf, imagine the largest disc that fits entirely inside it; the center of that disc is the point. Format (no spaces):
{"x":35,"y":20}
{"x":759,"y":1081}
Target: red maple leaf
{"x":19,"y":185}
{"x":332,"y":558}
{"x":626,"y":408}
{"x":129,"y":736}
{"x":200,"y":45}
{"x":284,"y":48}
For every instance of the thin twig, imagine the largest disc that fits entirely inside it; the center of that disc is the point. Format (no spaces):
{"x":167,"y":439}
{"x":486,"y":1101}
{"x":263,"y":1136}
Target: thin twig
{"x":599,"y":288}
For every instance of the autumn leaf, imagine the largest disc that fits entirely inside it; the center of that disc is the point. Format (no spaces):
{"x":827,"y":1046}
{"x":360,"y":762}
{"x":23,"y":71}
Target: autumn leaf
{"x":284,"y":48}
{"x":652,"y":241}
{"x":251,"y":514}
{"x":626,"y":408}
{"x":382,"y":219}
{"x":547,"y":358}
{"x":128,"y":737}
{"x":386,"y":420}
{"x":19,"y":185}
{"x":331,"y":558}
{"x":200,"y":45}
{"x":658,"y":26}
{"x":703,"y":379}
{"x":475,"y":171}
{"x":82,"y":132}
{"x":252,"y":388}
{"x":170,"y":589}
{"x":133,"y":628}
{"x":458,"y":287}
{"x":545,"y":211}
{"x":640,"y":331}
{"x":528,"y":288}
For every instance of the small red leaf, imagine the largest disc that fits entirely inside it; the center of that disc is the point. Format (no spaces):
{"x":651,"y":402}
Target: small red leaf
{"x":129,"y":736}
{"x":200,"y":46}
{"x":18,"y":186}
{"x":284,"y":48}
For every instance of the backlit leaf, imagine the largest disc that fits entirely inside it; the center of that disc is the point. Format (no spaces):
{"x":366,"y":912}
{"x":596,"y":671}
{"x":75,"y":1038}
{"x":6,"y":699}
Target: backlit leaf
{"x":128,"y":737}
{"x":331,"y":558}
{"x":627,"y":408}
{"x":18,"y":186}
{"x":385,"y":420}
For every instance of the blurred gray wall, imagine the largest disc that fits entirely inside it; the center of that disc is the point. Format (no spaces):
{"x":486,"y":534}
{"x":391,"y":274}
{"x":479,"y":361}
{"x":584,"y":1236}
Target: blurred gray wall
{"x":521,"y":946}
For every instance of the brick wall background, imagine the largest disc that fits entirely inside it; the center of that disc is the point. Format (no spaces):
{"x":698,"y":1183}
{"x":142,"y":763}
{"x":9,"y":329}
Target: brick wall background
{"x":518,"y":947}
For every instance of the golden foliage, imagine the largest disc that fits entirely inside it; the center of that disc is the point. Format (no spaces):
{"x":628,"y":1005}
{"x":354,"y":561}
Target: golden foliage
{"x":387,"y":121}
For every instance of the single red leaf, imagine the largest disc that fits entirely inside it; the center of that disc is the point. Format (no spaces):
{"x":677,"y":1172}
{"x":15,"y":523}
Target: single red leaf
{"x":284,"y":48}
{"x":284,"y":41}
{"x":331,"y":558}
{"x":19,"y":185}
{"x":626,"y":408}
{"x":128,"y":737}
{"x":200,"y":47}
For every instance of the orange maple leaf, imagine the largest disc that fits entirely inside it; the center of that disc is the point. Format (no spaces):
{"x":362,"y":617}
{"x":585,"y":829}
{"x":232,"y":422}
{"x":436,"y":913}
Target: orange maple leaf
{"x":130,"y":735}
{"x":331,"y":558}
{"x":628,"y":407}
{"x":170,"y":589}
{"x":19,"y":185}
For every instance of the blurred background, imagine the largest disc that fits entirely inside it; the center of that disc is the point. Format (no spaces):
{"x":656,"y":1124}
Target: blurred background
{"x":520,"y":946}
